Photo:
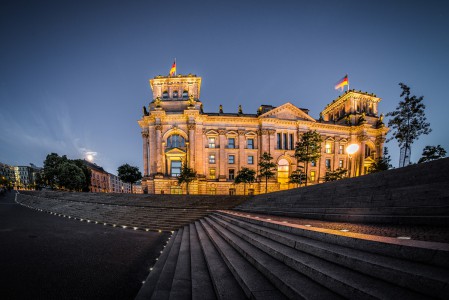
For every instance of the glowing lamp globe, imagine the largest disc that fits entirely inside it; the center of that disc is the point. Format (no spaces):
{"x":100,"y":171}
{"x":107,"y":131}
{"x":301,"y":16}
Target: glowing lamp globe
{"x":351,"y":149}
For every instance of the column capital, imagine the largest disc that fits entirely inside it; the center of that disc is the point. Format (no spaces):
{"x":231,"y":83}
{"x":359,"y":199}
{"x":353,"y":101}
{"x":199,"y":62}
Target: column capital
{"x":241,"y":132}
{"x":158,"y":127}
{"x":221,"y":131}
{"x":191,"y":126}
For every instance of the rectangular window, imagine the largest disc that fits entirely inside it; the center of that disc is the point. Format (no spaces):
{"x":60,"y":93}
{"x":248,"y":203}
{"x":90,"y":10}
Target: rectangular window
{"x":212,"y":173}
{"x":340,"y":163}
{"x":211,"y":142}
{"x":285,"y":141}
{"x":328,"y":163}
{"x":341,"y":149}
{"x":231,"y":174}
{"x":212,"y":158}
{"x":175,"y":168}
{"x":313,"y":163}
{"x":231,"y":143}
{"x":279,"y":142}
{"x":328,"y":148}
{"x":250,"y":143}
{"x":250,"y":160}
{"x":291,"y":142}
{"x":312,"y":176}
{"x":231,"y":159}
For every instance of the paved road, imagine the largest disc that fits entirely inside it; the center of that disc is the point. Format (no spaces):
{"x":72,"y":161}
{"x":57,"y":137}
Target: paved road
{"x":47,"y":257}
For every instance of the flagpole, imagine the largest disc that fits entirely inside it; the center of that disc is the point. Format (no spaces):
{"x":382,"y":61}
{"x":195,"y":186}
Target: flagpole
{"x":348,"y":81}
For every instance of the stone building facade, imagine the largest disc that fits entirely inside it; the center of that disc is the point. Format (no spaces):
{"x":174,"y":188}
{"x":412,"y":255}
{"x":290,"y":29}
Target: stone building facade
{"x":175,"y":129}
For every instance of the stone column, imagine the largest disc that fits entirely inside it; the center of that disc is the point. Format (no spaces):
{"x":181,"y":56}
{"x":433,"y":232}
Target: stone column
{"x":222,"y":138}
{"x":362,"y":140}
{"x":152,"y":150}
{"x":264,"y":139}
{"x":272,"y":141}
{"x":242,"y":146}
{"x":145,"y":152}
{"x":159,"y":149}
{"x":192,"y":128}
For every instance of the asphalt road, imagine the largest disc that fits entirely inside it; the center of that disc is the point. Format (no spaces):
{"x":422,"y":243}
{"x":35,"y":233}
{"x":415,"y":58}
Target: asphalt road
{"x":43,"y":256}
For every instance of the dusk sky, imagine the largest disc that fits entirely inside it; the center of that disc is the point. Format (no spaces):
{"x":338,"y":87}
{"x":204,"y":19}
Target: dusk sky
{"x":74,"y":74}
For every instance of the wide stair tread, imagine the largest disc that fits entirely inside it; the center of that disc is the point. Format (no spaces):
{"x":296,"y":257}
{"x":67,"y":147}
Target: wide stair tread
{"x":286,"y":279}
{"x":337,"y":278}
{"x":182,"y":283}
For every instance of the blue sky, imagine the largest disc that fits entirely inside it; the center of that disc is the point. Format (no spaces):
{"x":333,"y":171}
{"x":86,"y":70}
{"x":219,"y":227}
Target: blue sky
{"x":74,"y":75}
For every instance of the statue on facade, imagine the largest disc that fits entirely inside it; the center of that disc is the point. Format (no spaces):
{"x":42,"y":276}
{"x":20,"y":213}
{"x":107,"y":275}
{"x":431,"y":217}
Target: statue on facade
{"x":380,"y":121}
{"x":321,"y":117}
{"x":145,"y":112}
{"x":201,"y":108}
{"x":240,"y":109}
{"x":362,"y":118}
{"x":157,"y":102}
{"x":259,"y":111}
{"x":191,"y":100}
{"x":348,"y":120}
{"x":220,"y":109}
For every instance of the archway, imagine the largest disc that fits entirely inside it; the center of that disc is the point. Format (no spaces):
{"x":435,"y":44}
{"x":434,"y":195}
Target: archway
{"x":283,"y":173}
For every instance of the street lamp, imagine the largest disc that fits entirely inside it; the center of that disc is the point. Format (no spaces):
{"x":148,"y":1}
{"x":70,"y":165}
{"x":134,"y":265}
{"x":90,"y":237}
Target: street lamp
{"x":351,"y":149}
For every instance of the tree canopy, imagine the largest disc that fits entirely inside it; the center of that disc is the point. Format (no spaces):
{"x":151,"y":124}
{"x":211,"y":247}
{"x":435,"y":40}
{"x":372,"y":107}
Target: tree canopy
{"x":129,"y":174}
{"x":245,"y":175}
{"x":266,"y":167}
{"x":187,"y":175}
{"x":337,"y":174}
{"x":408,"y":121}
{"x":430,"y":153}
{"x":308,"y":148}
{"x":298,"y":176}
{"x":62,"y":173}
{"x":381,"y":164}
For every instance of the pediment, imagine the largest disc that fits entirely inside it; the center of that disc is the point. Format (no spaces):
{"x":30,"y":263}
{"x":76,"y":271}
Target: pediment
{"x":287,"y":111}
{"x":175,"y":152}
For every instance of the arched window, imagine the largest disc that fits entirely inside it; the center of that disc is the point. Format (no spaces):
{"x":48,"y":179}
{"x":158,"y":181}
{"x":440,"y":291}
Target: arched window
{"x":175,"y":141}
{"x":185,"y":94}
{"x":165,"y":95}
{"x":175,"y":94}
{"x":283,"y":173}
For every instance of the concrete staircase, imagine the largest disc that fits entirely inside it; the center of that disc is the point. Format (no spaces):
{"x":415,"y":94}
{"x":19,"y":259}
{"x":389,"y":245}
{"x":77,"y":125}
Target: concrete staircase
{"x":417,"y":194}
{"x":229,"y":256}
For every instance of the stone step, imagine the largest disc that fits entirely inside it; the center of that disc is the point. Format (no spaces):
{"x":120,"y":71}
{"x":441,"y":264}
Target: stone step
{"x":253,"y":283}
{"x":182,"y":282}
{"x":436,"y":255}
{"x":202,"y":287}
{"x":225,"y":285}
{"x":293,"y":284}
{"x":344,"y":281}
{"x":164,"y":284}
{"x":148,"y":287}
{"x":421,"y":278}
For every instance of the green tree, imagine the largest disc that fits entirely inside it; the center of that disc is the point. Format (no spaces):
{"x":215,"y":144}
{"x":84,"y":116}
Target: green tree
{"x":409,"y":120}
{"x":129,"y":174}
{"x":245,"y":175}
{"x":87,"y":173}
{"x":187,"y":175}
{"x":51,"y":168}
{"x":381,"y":164}
{"x":298,"y":176}
{"x":337,"y":174}
{"x":70,"y":176}
{"x":266,"y":167}
{"x":430,"y":153}
{"x":308,"y":149}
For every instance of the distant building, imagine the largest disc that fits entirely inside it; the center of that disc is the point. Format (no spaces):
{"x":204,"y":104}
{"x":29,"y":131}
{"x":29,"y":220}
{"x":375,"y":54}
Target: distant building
{"x":217,"y":145}
{"x":99,"y":180}
{"x":25,"y":176}
{"x":137,"y":187}
{"x":8,"y":173}
{"x":118,"y":186}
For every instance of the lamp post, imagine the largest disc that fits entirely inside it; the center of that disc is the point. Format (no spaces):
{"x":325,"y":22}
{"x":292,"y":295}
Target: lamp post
{"x":351,"y":149}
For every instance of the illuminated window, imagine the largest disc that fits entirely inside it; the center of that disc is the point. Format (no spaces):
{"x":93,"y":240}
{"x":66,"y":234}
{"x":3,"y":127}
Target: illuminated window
{"x":279,"y":142}
{"x":211,"y":142}
{"x":328,"y":163}
{"x":312,"y":176}
{"x":175,"y":141}
{"x":175,"y":167}
{"x":212,"y":173}
{"x":250,"y":160}
{"x":328,"y":148}
{"x":212,"y":158}
{"x":231,"y":174}
{"x":341,"y":149}
{"x":231,"y":143}
{"x":231,"y":159}
{"x":340,"y":163}
{"x":250,"y":143}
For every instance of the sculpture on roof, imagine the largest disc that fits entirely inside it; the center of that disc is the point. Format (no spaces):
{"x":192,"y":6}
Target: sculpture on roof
{"x":220,"y":109}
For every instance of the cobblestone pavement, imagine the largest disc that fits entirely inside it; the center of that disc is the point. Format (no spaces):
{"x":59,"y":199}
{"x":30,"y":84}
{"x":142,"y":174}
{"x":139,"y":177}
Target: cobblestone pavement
{"x":423,"y":233}
{"x":43,"y":256}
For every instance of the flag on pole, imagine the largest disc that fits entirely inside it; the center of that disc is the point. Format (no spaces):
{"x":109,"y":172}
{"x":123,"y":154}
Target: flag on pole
{"x":173,"y":69}
{"x":342,"y":82}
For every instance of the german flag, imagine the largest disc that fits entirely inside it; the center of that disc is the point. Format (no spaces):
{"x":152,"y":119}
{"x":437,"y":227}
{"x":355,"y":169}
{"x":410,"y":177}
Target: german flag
{"x":342,"y":82}
{"x":173,"y":69}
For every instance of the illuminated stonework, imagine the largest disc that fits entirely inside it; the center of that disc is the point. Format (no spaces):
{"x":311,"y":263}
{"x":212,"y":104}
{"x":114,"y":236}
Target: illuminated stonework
{"x":217,"y":145}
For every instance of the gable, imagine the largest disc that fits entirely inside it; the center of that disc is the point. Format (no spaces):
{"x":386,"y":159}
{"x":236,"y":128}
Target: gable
{"x":287,"y":111}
